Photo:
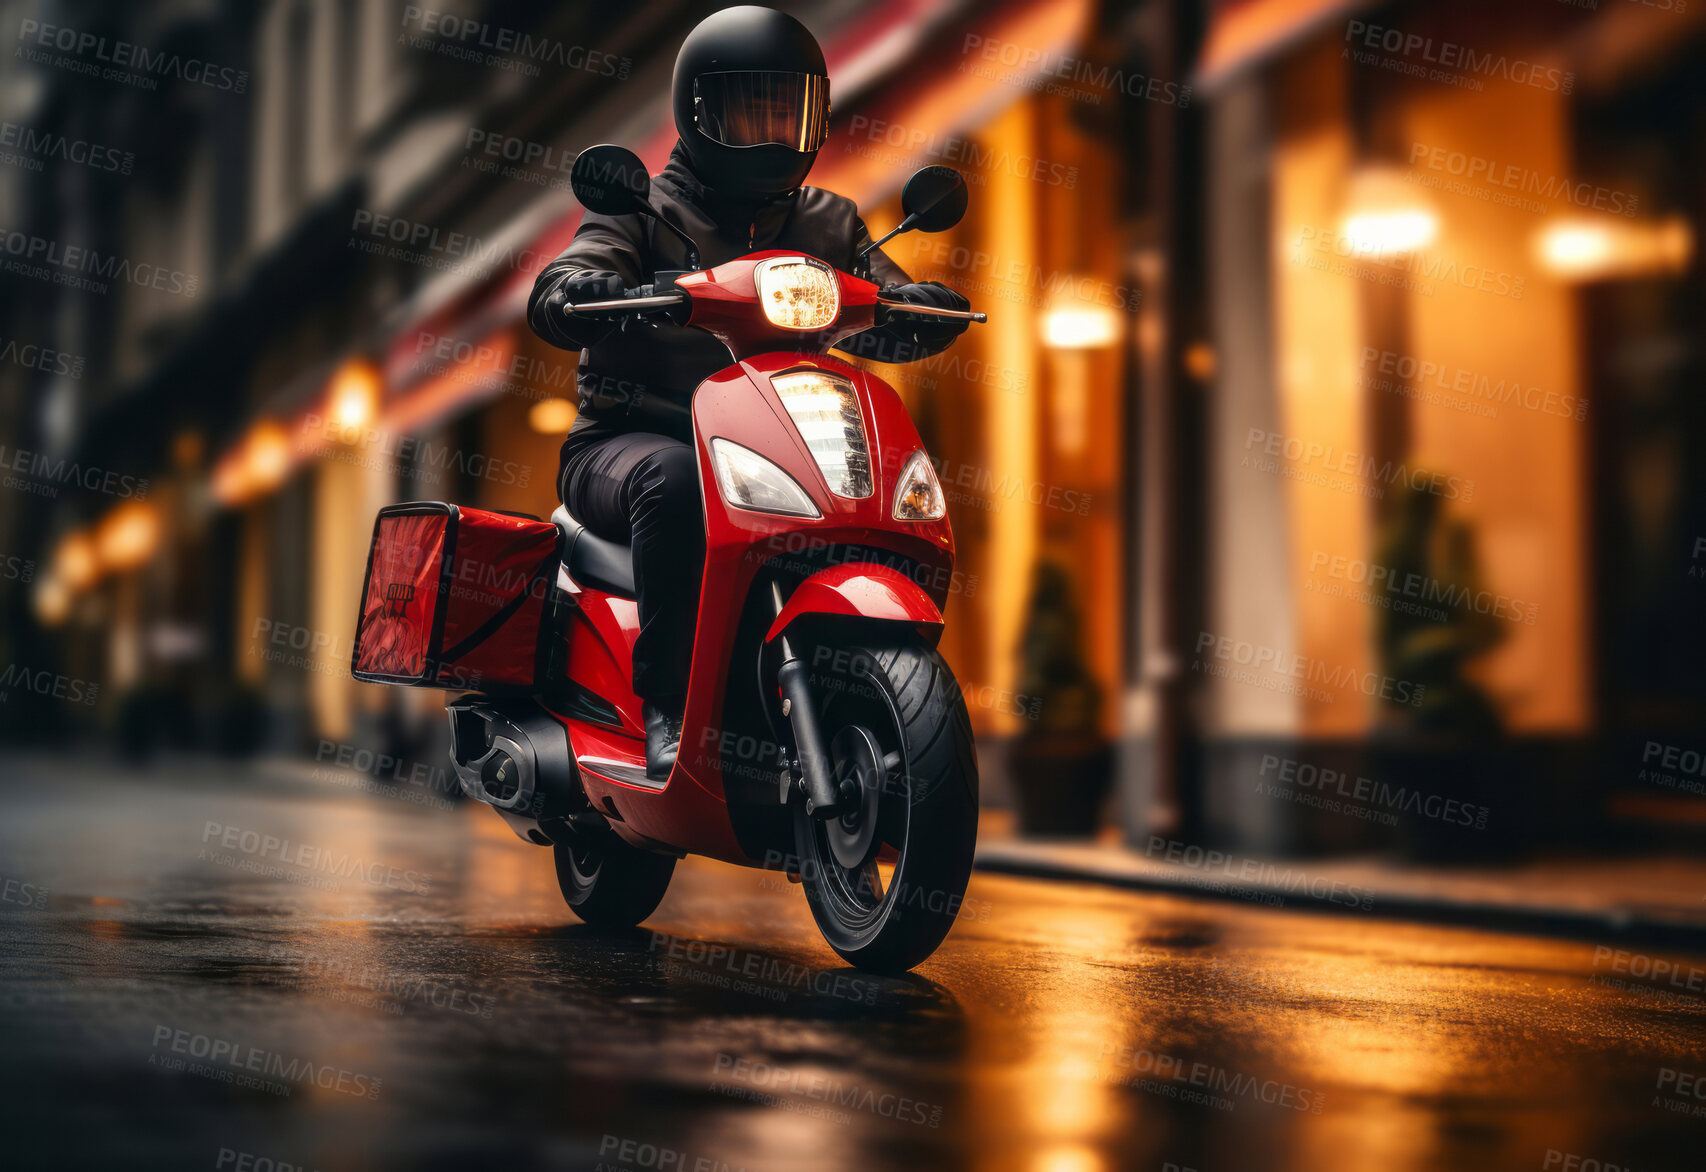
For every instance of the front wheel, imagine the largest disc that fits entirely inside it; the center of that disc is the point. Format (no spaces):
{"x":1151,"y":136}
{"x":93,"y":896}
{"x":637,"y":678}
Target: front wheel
{"x":886,"y":878}
{"x":609,"y":883}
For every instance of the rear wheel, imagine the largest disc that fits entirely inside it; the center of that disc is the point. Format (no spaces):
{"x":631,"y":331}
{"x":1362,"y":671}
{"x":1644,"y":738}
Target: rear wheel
{"x":886,"y":878}
{"x":609,"y":883}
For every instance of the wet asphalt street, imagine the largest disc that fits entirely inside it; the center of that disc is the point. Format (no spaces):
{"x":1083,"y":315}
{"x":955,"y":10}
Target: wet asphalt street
{"x":201,"y":969}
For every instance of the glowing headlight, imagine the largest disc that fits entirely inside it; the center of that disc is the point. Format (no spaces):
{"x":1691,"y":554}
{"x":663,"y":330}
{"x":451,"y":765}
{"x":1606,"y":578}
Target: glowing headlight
{"x":826,"y":413}
{"x":797,"y":294}
{"x":749,"y":481}
{"x":918,"y":496}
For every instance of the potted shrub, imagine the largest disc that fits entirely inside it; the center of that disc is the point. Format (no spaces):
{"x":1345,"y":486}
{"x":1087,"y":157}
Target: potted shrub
{"x":1060,"y":763}
{"x":1445,"y":744}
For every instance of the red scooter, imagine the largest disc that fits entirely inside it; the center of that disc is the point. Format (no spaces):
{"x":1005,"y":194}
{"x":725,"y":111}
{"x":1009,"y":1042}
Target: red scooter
{"x":823,"y":736}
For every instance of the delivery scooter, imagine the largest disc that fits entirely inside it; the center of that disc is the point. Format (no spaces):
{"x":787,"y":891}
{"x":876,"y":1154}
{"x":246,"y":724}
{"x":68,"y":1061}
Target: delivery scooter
{"x":823,"y":735}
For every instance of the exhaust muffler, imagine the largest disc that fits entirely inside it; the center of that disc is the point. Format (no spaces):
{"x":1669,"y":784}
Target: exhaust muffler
{"x":515,"y":757}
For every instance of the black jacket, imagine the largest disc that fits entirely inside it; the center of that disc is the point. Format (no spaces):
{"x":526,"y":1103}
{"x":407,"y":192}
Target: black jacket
{"x":641,"y":376}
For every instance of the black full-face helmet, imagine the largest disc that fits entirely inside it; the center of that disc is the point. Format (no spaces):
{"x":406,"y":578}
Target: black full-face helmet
{"x":751,"y":101}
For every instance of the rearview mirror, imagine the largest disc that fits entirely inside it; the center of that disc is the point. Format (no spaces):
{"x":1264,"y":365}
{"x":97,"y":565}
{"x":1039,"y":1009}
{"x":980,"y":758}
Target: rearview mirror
{"x":611,"y":180}
{"x":934,"y":199}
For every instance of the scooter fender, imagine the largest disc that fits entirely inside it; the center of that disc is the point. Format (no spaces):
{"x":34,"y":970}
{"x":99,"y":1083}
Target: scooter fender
{"x":861,"y":590}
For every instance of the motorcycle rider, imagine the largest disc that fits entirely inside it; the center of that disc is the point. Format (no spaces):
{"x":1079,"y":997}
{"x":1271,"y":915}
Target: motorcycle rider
{"x":751,"y":99}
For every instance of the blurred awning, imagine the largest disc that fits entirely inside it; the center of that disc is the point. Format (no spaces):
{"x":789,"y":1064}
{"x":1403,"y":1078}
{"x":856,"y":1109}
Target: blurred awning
{"x":1246,"y":33}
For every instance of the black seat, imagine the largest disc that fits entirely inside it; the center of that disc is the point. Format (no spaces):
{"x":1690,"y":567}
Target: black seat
{"x":593,"y":560}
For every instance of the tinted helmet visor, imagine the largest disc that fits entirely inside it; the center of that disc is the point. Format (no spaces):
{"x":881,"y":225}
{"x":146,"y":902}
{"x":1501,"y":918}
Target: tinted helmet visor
{"x":753,"y":108}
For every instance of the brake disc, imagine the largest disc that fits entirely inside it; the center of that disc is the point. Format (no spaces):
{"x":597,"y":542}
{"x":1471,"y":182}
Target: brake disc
{"x":858,"y":765}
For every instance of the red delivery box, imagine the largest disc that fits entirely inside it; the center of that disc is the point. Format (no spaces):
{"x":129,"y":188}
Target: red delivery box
{"x":456,"y":598}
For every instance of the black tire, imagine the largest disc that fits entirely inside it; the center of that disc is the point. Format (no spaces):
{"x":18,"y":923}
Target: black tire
{"x":609,"y":883}
{"x":907,"y":699}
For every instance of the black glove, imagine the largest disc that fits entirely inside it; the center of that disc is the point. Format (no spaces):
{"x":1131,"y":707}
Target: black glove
{"x":582,"y":331}
{"x":929,"y":334}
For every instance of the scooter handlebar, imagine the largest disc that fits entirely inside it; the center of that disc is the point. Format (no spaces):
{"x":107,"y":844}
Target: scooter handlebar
{"x":640,"y":299}
{"x":931,"y":311}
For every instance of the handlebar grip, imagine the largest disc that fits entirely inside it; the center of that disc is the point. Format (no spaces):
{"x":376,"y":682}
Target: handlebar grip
{"x":931,"y":311}
{"x":638,"y":300}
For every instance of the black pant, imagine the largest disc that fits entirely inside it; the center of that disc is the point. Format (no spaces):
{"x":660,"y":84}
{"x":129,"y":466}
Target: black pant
{"x":643,"y":488}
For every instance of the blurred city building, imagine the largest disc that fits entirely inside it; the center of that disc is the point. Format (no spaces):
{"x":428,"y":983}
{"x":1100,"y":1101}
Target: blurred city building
{"x":1335,"y":418}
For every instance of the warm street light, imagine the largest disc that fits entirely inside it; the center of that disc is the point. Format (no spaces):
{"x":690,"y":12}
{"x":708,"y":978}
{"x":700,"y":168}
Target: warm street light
{"x":75,"y":562}
{"x":52,"y":601}
{"x":551,"y":416}
{"x":1386,"y":214}
{"x":128,"y":536}
{"x":1583,"y":249}
{"x":1080,"y":326}
{"x":353,"y":400}
{"x":257,"y":465}
{"x":267,"y":459}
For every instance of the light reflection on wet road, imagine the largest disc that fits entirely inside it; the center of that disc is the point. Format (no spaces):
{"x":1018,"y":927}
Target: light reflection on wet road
{"x":187,"y":995}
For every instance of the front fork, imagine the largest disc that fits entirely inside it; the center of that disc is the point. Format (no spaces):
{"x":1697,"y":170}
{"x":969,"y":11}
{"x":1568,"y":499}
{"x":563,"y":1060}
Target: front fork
{"x":817,"y":774}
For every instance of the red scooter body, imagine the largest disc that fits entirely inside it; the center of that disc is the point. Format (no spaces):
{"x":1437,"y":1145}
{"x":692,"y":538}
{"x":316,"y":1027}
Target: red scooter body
{"x":823,"y":733}
{"x":690,"y":811}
